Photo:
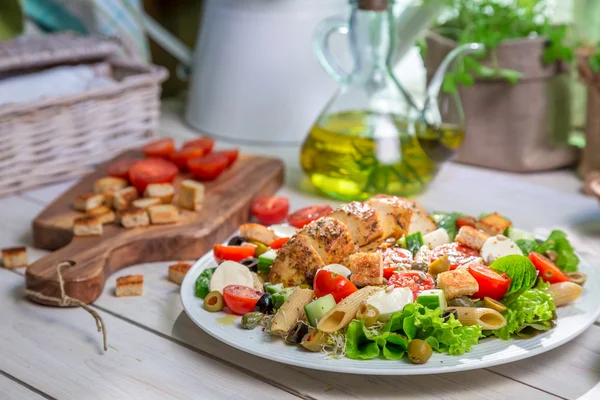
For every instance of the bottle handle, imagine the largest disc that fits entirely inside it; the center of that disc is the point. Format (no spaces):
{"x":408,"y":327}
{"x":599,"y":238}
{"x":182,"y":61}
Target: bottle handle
{"x":321,"y":46}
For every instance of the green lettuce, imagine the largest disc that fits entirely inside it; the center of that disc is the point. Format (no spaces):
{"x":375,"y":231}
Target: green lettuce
{"x":557,"y":241}
{"x":521,"y":271}
{"x":447,"y":220}
{"x":527,"y":245}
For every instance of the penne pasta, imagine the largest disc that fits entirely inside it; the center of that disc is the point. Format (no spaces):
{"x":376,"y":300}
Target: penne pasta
{"x":486,"y":317}
{"x":292,"y":311}
{"x":565,"y":292}
{"x":345,"y":311}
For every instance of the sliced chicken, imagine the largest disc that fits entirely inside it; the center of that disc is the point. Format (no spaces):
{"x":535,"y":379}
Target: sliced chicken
{"x":330,"y":238}
{"x":296,"y":263}
{"x":361,"y":220}
{"x":394,"y":216}
{"x":420,"y":220}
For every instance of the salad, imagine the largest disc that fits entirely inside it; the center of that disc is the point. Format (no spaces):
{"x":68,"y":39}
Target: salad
{"x":384,"y":278}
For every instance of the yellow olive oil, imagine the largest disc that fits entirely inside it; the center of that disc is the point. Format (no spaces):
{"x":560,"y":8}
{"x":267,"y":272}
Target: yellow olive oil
{"x":354,"y":155}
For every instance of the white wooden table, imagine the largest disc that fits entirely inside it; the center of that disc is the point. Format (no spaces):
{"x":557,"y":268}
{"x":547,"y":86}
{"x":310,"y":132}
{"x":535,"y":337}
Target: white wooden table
{"x":156,"y":352}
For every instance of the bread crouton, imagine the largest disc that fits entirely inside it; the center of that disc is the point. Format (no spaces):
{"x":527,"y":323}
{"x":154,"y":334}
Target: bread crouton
{"x":89,"y":225}
{"x":14,"y":257}
{"x":494,"y":224}
{"x":145,"y":203}
{"x":134,"y":217}
{"x":191,"y":195}
{"x":177,"y":271}
{"x":162,"y":191}
{"x":367,"y":269}
{"x":106,"y":215}
{"x":87,"y":201}
{"x":109,"y":184}
{"x":361,"y":220}
{"x":257,"y":232}
{"x":123,"y":198}
{"x":130,"y":285}
{"x":457,"y":283}
{"x":471,"y":237}
{"x":163,"y":214}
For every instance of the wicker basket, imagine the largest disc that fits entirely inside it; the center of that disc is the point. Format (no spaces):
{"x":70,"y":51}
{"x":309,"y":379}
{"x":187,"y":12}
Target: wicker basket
{"x":62,"y":137}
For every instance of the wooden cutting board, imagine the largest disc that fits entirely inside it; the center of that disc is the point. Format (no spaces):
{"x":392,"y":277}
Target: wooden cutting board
{"x":226,"y":206}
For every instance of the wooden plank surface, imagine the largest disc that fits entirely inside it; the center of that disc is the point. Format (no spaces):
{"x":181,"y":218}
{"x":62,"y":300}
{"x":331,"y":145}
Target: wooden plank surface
{"x":13,"y":390}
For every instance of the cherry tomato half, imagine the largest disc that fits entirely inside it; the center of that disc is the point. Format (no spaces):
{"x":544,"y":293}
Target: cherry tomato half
{"x":120,"y":169}
{"x":181,"y":157}
{"x":231,"y":154}
{"x":491,"y":284}
{"x":204,"y":143}
{"x":270,"y":210}
{"x":466,"y":220}
{"x":308,"y":214}
{"x":416,"y":281}
{"x":209,"y":167}
{"x":240,"y":299}
{"x":232,"y":253}
{"x":161,"y":148}
{"x":153,"y":170}
{"x":278,"y":243}
{"x":327,"y":282}
{"x":457,"y":254}
{"x":548,"y":271}
{"x":394,"y":257}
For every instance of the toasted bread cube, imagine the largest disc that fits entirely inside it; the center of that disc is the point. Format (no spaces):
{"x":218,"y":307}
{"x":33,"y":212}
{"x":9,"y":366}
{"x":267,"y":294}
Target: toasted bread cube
{"x":471,"y":237}
{"x":457,"y":283}
{"x":130,"y":285}
{"x":361,"y":220}
{"x":89,"y":225}
{"x":134,"y":217}
{"x":87,"y":201}
{"x":163,"y":214}
{"x":367,"y":269}
{"x":123,"y":198}
{"x":14,"y":257}
{"x":162,"y":191}
{"x":109,"y":199}
{"x":257,"y":232}
{"x":109,"y":184}
{"x":177,"y":271}
{"x":494,"y":224}
{"x":106,"y":215}
{"x":191,"y":195}
{"x":145,"y":203}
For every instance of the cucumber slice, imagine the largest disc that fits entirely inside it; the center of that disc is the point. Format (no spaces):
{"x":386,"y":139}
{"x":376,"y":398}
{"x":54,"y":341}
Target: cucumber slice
{"x":281,"y":297}
{"x":318,"y":308}
{"x":516,"y":234}
{"x":265,"y":261}
{"x":273,"y":288}
{"x":432,"y":299}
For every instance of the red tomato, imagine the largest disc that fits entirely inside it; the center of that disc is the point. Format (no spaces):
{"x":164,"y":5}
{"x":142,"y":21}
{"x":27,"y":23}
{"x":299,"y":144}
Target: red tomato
{"x":209,"y":167}
{"x":491,"y":284}
{"x":232,"y":253}
{"x":467,"y":220}
{"x":120,"y":169}
{"x":457,"y":254}
{"x":270,"y":210}
{"x":278,"y":243}
{"x":308,"y":214}
{"x":153,"y":170}
{"x":181,"y":157}
{"x":231,"y":155}
{"x":161,"y":148}
{"x":204,"y":143}
{"x":394,"y":257}
{"x":548,"y":271}
{"x":240,"y":299}
{"x":327,"y":282}
{"x":416,"y":281}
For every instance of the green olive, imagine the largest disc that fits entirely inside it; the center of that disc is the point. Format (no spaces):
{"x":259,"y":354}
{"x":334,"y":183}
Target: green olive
{"x":440,"y":265}
{"x":419,"y":351}
{"x":213,"y":301}
{"x":260,"y":248}
{"x":493,"y":304}
{"x":368,"y":313}
{"x":577,"y":277}
{"x":252,"y":319}
{"x":314,"y":341}
{"x":305,"y":286}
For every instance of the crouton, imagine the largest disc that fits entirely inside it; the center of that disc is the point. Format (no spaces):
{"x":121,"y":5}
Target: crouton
{"x":471,"y":237}
{"x":257,"y":232}
{"x":134,"y":217}
{"x":191,"y":195}
{"x":89,"y":225}
{"x":367,"y":269}
{"x":107,"y":216}
{"x":123,"y":198}
{"x":145,"y":203}
{"x":457,"y":283}
{"x":494,"y":224}
{"x":87,"y":201}
{"x":162,"y":191}
{"x":130,"y":285}
{"x":109,"y":199}
{"x":109,"y":184}
{"x":177,"y":271}
{"x":14,"y":257}
{"x":163,"y":214}
{"x":361,"y":220}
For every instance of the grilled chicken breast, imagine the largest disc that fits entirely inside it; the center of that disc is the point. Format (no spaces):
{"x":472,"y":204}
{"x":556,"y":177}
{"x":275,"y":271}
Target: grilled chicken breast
{"x":394,"y":216}
{"x":296,"y":263}
{"x":361,"y":220}
{"x":420,"y":220}
{"x":330,"y":238}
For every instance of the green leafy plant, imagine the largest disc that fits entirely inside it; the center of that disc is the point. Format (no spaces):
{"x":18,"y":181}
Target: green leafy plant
{"x":11,"y":19}
{"x":492,"y":22}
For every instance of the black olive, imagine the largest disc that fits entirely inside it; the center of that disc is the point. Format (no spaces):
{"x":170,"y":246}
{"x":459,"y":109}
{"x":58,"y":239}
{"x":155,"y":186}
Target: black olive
{"x":264,"y":304}
{"x":296,"y":334}
{"x":419,"y":266}
{"x":251,"y":263}
{"x":446,"y":314}
{"x":236,"y":241}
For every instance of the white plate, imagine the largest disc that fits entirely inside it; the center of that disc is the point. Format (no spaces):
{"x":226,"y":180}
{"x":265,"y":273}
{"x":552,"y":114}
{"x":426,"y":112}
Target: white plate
{"x":572,"y":321}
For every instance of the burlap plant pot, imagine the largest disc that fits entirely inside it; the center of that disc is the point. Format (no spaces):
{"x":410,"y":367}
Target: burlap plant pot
{"x":590,"y":158}
{"x":519,"y":127}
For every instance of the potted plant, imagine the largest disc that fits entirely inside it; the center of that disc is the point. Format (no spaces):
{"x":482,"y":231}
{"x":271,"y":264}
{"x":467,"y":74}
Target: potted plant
{"x":515,"y":98}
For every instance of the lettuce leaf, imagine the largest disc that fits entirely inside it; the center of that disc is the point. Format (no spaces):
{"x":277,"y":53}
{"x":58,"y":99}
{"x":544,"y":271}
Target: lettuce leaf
{"x":520,"y":269}
{"x":557,"y":241}
{"x":359,"y":342}
{"x":527,"y":245}
{"x":447,"y":220}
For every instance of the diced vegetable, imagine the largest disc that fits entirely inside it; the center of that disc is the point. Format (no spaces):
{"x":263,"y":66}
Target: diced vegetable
{"x":436,"y":238}
{"x":278,"y":243}
{"x":338,"y":269}
{"x":548,"y":271}
{"x":327,"y":282}
{"x":318,"y":308}
{"x":517,"y":234}
{"x":432,"y":299}
{"x":390,"y":301}
{"x":203,"y":282}
{"x":265,"y":261}
{"x":273,"y":287}
{"x":491,"y":283}
{"x":401,"y":242}
{"x":281,"y":297}
{"x":232,"y":253}
{"x":414,"y":242}
{"x":230,"y":273}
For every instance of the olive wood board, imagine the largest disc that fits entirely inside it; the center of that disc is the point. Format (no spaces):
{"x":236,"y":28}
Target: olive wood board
{"x":226,"y":206}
